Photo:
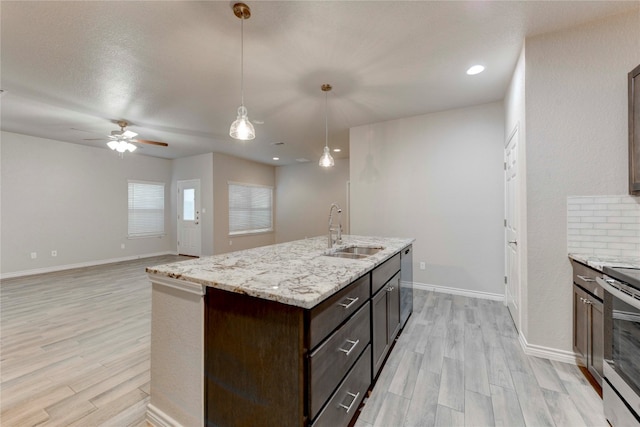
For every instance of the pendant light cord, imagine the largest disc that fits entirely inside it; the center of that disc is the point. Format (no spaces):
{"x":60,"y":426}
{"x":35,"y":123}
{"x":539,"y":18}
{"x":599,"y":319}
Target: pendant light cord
{"x":242,"y":60}
{"x":326,"y":122}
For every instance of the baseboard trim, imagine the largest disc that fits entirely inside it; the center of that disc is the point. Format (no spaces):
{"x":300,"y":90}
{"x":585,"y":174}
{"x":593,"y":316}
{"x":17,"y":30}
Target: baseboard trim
{"x":79,"y":265}
{"x":157,"y":418}
{"x":458,"y":291}
{"x":547,"y":352}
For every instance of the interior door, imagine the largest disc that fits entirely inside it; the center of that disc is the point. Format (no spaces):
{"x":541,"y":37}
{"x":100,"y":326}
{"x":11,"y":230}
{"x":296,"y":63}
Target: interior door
{"x":189,"y":228}
{"x":512,"y":274}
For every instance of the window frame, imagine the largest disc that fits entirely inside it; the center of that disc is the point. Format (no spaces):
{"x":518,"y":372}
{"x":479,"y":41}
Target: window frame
{"x":254,"y":231}
{"x":155,"y":233}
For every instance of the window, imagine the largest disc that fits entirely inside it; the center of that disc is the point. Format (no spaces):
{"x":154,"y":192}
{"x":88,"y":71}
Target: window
{"x":250,"y":209}
{"x":146,"y":209}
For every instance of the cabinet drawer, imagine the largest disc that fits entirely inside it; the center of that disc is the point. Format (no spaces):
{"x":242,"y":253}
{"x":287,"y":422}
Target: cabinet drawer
{"x":334,"y":357}
{"x":384,"y":272}
{"x":345,"y":401}
{"x":586,"y":277}
{"x":326,"y":316}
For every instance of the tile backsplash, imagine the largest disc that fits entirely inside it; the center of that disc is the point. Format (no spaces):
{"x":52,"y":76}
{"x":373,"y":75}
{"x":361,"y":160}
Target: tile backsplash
{"x":604,"y":225}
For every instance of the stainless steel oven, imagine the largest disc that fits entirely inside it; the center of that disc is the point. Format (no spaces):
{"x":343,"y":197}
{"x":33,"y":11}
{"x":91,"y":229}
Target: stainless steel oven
{"x":621,"y":387}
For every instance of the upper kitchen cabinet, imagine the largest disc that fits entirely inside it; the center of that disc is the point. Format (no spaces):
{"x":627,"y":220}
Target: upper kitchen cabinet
{"x":634,"y":132}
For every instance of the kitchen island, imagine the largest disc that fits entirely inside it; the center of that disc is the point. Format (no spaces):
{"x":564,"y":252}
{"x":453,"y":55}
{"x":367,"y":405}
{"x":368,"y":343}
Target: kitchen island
{"x":276,"y":335}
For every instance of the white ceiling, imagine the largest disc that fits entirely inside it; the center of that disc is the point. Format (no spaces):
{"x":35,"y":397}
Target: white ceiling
{"x":172,"y":68}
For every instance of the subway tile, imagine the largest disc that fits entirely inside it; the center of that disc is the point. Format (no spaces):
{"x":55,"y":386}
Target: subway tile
{"x":607,"y":226}
{"x":622,"y":219}
{"x":622,"y":206}
{"x":635,"y":212}
{"x":630,"y":199}
{"x":612,"y":252}
{"x":630,"y":226}
{"x":607,"y":200}
{"x":594,"y":207}
{"x":607,"y":239}
{"x":581,"y":213}
{"x":625,"y":233}
{"x":595,"y":245}
{"x":608,"y":212}
{"x":593,"y":232}
{"x":594,"y":219}
{"x":629,"y":246}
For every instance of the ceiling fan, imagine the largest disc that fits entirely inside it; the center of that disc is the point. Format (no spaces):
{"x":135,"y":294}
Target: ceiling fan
{"x":121,"y":140}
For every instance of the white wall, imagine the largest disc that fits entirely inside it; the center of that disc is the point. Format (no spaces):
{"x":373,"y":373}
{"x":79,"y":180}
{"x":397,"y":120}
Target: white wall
{"x":576,"y":114}
{"x":229,"y":168}
{"x":72,"y":199}
{"x":195,"y":167}
{"x":304,"y":193}
{"x":438,"y":178}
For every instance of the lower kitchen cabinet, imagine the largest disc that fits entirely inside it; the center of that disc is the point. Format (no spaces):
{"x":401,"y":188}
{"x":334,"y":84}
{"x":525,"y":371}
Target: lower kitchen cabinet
{"x":272,"y":364}
{"x":385,"y":318}
{"x":588,"y":322}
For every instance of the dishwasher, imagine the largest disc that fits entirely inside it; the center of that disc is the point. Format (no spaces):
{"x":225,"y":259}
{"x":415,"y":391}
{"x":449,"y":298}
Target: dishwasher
{"x":406,"y":284}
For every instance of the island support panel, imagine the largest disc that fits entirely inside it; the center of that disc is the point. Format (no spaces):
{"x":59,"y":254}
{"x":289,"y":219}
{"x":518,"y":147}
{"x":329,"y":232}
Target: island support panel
{"x":254,"y":361}
{"x":177,"y":355}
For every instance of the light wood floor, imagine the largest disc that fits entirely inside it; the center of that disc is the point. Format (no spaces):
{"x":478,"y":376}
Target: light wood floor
{"x":459,"y":363}
{"x":75,"y":346}
{"x":74,"y":350}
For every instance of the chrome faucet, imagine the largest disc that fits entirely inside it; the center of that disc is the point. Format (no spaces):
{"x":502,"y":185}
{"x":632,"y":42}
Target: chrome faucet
{"x":338,"y":239}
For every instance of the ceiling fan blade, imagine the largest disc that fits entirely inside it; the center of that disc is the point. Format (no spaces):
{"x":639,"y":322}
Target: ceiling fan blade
{"x":93,"y":139}
{"x":146,"y":141}
{"x":129,"y":134}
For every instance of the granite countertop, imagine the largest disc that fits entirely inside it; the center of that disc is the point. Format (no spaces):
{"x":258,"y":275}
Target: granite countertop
{"x":294,"y":273}
{"x":598,"y":262}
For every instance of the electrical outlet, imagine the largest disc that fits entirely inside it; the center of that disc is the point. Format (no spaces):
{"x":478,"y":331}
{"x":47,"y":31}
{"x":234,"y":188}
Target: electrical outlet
{"x":121,"y":245}
{"x":230,"y":242}
{"x":54,"y":253}
{"x":34,"y":255}
{"x":422,"y":265}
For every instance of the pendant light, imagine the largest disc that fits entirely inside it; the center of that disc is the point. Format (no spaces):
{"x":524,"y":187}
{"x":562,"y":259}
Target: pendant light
{"x":242,"y":128}
{"x":326,"y":161}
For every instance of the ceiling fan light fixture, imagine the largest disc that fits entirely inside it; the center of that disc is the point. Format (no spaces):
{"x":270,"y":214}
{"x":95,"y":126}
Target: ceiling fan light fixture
{"x":326,"y":161}
{"x":242,"y":128}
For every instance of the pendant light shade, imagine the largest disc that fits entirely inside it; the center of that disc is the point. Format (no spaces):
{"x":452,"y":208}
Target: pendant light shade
{"x":242,"y":128}
{"x":326,"y":161}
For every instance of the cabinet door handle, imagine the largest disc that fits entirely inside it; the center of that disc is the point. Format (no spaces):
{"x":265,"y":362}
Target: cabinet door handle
{"x":353,"y":345}
{"x":390,"y":289}
{"x":586,"y":301}
{"x":355,"y":399}
{"x":351,"y":302}
{"x":586,"y":279}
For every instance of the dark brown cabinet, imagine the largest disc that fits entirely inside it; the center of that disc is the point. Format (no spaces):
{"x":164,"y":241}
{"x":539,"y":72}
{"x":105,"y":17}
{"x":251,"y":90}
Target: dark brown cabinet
{"x":268,"y":363}
{"x":588,"y":327}
{"x":385,"y":317}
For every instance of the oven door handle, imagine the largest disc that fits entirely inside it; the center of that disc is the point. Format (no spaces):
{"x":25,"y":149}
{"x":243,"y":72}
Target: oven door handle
{"x":618,"y":293}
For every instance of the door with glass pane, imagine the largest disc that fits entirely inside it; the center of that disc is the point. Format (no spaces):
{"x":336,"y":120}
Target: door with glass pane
{"x":189,"y":229}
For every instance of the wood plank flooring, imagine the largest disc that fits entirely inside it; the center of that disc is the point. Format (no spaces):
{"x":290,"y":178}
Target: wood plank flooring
{"x":74,"y":351}
{"x":74,"y":346}
{"x":459,"y":363}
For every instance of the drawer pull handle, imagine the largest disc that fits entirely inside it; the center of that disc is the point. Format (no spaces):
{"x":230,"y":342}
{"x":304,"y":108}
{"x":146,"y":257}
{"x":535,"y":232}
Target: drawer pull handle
{"x":351,"y":302}
{"x":353,"y":345}
{"x":355,"y":399}
{"x":586,"y":279}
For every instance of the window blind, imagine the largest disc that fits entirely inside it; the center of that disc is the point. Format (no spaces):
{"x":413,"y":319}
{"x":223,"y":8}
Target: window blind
{"x":146,"y":209}
{"x":250,"y":209}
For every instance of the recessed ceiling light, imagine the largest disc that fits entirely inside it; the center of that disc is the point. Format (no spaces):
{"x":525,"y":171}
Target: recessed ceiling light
{"x":258,"y":122}
{"x":276,"y":158}
{"x":336,"y":150}
{"x":302,"y":160}
{"x":476,"y":69}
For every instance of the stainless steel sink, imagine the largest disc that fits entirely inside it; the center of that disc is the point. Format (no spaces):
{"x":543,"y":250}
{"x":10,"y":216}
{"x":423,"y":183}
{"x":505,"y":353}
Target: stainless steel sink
{"x":346,"y":255}
{"x":355,"y":252}
{"x":361,"y":250}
